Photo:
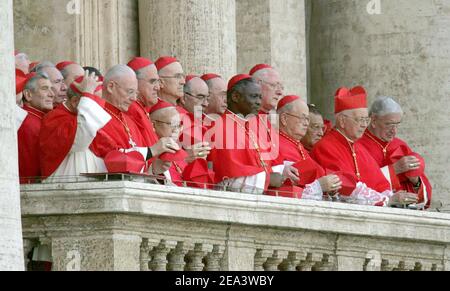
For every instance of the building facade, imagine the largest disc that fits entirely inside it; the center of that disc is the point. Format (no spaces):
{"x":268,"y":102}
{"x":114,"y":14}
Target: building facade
{"x":392,"y":47}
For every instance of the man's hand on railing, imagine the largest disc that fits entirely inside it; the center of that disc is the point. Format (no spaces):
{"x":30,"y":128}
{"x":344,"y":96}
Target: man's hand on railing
{"x":159,"y":167}
{"x":403,"y":198}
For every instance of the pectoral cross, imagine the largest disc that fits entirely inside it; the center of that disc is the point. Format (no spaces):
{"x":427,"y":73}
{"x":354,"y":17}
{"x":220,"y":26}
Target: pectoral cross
{"x":132,"y":143}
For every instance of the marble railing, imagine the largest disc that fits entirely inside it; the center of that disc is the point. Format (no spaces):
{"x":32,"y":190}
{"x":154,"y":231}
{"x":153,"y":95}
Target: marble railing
{"x":127,"y":225}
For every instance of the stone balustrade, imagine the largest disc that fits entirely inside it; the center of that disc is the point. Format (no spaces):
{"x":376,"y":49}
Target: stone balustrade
{"x":125,"y":225}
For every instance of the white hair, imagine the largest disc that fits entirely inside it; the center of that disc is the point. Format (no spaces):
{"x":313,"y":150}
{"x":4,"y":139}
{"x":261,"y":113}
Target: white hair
{"x":41,"y":66}
{"x":262,"y":74}
{"x":383,"y":106}
{"x":117,"y":72}
{"x":141,"y":73}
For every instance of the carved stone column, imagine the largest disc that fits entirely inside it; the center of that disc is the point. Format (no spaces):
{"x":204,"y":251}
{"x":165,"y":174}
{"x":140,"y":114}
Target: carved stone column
{"x":274,"y":32}
{"x":200,"y":33}
{"x":99,"y":33}
{"x":11,"y":250}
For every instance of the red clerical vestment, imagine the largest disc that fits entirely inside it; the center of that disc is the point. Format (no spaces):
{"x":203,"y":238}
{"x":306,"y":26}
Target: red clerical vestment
{"x":335,"y":153}
{"x":66,"y":137}
{"x":28,"y":139}
{"x":236,"y":152}
{"x":140,"y":115}
{"x":383,"y":153}
{"x":121,"y":133}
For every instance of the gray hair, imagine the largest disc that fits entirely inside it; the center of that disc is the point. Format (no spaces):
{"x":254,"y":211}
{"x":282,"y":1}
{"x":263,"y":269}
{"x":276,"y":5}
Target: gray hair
{"x":32,"y":83}
{"x":140,"y":75}
{"x":262,"y":74}
{"x":41,"y":66}
{"x":288,"y":108}
{"x":117,"y":72}
{"x":383,"y":106}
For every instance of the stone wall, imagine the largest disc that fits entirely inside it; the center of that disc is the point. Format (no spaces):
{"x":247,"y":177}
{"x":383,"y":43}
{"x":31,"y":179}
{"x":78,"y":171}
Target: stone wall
{"x":402,"y":52}
{"x":11,"y":251}
{"x":270,"y":31}
{"x":201,"y":34}
{"x":134,"y":226}
{"x":98,"y":33}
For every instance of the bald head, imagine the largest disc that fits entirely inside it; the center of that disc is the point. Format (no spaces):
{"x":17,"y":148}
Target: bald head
{"x":166,"y":122}
{"x":121,"y":87}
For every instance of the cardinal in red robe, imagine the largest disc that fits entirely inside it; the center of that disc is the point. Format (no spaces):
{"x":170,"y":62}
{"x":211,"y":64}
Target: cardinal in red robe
{"x":404,"y":167}
{"x":38,"y":98}
{"x":339,"y":151}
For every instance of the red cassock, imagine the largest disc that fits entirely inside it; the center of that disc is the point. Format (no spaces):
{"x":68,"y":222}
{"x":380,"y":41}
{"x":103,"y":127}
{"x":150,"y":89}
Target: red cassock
{"x":193,"y":129}
{"x":294,"y":152}
{"x":28,"y":140}
{"x":121,"y":133}
{"x":236,"y":152}
{"x":387,"y":153}
{"x":140,"y":115}
{"x":58,"y":132}
{"x":268,"y":138}
{"x":336,"y":154}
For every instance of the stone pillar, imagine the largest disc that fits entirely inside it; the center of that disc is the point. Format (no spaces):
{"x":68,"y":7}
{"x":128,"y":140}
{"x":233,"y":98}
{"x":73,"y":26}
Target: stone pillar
{"x":274,"y":32}
{"x":99,"y":33}
{"x":398,"y":49}
{"x":200,"y":33}
{"x":11,"y":251}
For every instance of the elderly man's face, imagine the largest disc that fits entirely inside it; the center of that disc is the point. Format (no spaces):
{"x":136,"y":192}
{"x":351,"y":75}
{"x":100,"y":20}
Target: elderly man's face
{"x":198,"y":98}
{"x":386,"y":127}
{"x":73,"y":71}
{"x":149,"y":86}
{"x":315,"y":130}
{"x":354,"y":123}
{"x":23,"y":63}
{"x":167,"y":124}
{"x":41,"y":98}
{"x":173,"y":80}
{"x":123,"y":92}
{"x":217,"y":97}
{"x":250,"y":99}
{"x":58,"y":86}
{"x":272,"y":90}
{"x":295,"y":122}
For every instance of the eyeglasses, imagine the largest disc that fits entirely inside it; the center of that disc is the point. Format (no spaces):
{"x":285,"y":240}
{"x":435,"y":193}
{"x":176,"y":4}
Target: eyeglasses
{"x":201,"y":98}
{"x":361,"y":121}
{"x":130,"y":92}
{"x":274,"y":86}
{"x":154,"y":82}
{"x":302,"y":119}
{"x":392,"y":126}
{"x":172,"y":126}
{"x":176,"y":76}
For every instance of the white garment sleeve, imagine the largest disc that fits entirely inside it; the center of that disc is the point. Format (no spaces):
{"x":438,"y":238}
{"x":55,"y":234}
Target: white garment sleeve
{"x":250,"y":185}
{"x":91,"y":118}
{"x":363,"y":195}
{"x":313,"y":192}
{"x":20,"y":116}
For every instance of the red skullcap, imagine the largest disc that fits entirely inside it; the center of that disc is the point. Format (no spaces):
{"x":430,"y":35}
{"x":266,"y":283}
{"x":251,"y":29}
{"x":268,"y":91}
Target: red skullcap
{"x":236,"y":79}
{"x":190,"y":77}
{"x":62,"y":65}
{"x":163,"y":62}
{"x":346,"y":99}
{"x":79,"y":80}
{"x":138,"y":63}
{"x":259,"y":68}
{"x":160,"y":105}
{"x":208,"y":77}
{"x":286,"y":100}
